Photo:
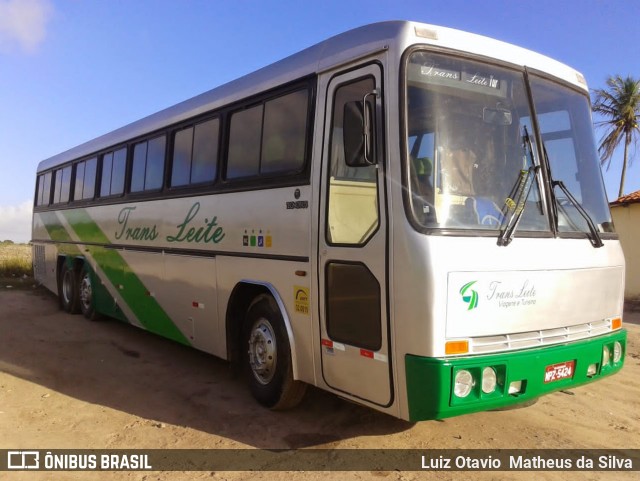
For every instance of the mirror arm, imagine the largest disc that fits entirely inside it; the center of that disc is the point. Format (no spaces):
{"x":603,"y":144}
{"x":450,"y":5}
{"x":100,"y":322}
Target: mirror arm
{"x":367,"y":125}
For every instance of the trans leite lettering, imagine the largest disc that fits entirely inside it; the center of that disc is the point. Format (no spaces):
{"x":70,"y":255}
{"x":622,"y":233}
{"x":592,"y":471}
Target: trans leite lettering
{"x":189,"y":230}
{"x":203,"y":234}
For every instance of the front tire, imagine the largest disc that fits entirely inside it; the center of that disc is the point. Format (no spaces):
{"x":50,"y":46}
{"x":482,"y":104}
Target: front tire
{"x":268,"y":357}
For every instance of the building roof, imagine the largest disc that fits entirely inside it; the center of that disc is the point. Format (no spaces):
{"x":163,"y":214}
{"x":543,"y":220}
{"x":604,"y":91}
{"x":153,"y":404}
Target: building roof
{"x":632,"y":198}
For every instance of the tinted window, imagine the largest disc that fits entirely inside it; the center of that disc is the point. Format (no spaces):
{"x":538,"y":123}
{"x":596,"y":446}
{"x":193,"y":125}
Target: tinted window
{"x":182,"y":147}
{"x":353,"y":306}
{"x":118,"y":171}
{"x":63,"y":185}
{"x":113,"y":171}
{"x":139,"y":165}
{"x":269,"y":138}
{"x":148,"y":165}
{"x":205,"y":152}
{"x":283,"y":139}
{"x":244,"y":143}
{"x":85,"y":179}
{"x":107,"y":165}
{"x":155,"y":164}
{"x":40,"y":190}
{"x":195,"y":154}
{"x":77,"y":194}
{"x":44,"y":189}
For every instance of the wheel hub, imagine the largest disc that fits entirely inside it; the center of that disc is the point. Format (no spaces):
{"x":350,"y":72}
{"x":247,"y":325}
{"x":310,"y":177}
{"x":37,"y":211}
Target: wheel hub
{"x":86,"y":292}
{"x":263,"y":351}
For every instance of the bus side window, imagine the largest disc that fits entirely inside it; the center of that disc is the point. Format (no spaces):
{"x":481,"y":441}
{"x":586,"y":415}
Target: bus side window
{"x":44,"y":189}
{"x":148,"y":165}
{"x":85,"y":179}
{"x":62,"y":186}
{"x":195,"y":154}
{"x":269,"y":138}
{"x":283,"y":140}
{"x":244,"y":143}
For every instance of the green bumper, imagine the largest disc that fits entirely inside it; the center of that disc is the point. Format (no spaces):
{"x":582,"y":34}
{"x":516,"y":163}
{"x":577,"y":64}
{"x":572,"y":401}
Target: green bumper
{"x":430,"y":380}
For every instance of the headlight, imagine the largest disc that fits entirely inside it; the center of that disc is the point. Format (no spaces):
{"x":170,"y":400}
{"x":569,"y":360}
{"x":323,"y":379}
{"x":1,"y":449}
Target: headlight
{"x":489,"y":380}
{"x":617,"y":351}
{"x":606,"y":355}
{"x":463,"y":383}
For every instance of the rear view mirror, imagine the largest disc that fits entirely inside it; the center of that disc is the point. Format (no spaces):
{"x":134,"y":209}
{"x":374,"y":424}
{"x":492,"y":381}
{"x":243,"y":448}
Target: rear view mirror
{"x":497,"y":116}
{"x":358,"y":128}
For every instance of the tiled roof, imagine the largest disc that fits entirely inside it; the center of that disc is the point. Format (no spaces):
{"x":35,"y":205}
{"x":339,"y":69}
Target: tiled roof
{"x":632,"y":198}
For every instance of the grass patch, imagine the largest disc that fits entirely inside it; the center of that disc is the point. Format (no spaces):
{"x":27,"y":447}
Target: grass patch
{"x":16,"y":264}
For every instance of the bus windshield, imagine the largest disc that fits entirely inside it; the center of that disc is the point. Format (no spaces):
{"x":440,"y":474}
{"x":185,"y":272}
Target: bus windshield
{"x":471,"y":148}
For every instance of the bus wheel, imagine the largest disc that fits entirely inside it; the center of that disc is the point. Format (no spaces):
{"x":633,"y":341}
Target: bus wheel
{"x":85,"y":295}
{"x":68,"y":292}
{"x":268,"y":358}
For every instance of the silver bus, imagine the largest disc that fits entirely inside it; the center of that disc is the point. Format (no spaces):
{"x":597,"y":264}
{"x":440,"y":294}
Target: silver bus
{"x":408,"y":216}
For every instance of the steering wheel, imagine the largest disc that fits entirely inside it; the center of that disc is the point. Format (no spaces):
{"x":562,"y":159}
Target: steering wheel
{"x":490,"y":220}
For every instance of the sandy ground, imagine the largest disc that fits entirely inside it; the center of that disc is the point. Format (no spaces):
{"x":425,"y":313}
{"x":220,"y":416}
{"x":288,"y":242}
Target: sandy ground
{"x":68,"y":383}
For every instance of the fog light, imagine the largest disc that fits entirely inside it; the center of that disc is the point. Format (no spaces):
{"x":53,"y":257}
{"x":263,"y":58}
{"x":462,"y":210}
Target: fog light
{"x":463,"y":383}
{"x":617,"y":352}
{"x":591,"y":370}
{"x":489,"y":380}
{"x":515,"y":387}
{"x":606,"y":355}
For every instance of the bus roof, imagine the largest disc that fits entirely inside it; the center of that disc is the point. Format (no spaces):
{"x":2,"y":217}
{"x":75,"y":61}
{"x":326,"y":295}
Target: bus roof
{"x":340,"y":49}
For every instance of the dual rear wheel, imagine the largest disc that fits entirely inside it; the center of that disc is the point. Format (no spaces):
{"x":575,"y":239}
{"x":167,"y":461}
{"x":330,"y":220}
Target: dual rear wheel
{"x":267,"y":359}
{"x":75,"y":290}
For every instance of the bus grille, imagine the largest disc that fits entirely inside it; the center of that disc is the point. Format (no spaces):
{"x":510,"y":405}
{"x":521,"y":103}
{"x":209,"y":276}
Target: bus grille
{"x":545,"y":337}
{"x":39,"y":268}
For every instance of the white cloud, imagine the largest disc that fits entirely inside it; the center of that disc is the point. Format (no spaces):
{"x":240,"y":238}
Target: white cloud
{"x":23,"y":22}
{"x":15,"y":222}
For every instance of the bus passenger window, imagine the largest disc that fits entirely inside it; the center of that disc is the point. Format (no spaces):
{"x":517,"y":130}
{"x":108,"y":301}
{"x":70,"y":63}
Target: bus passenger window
{"x":283,"y":140}
{"x":44,"y":189}
{"x":113,"y":170}
{"x":244,"y":143}
{"x":204,"y":161}
{"x":62,"y":185}
{"x":148,"y":165}
{"x":85,"y":179}
{"x":195,"y":154}
{"x":181,"y":168}
{"x":269,"y":138}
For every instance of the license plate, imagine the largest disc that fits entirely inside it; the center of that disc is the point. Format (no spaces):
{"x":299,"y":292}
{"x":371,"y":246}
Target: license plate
{"x":556,"y":372}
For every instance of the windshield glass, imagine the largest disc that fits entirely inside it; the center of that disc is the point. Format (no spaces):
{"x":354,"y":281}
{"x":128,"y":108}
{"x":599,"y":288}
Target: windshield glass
{"x":564,"y":117}
{"x":467,"y":145}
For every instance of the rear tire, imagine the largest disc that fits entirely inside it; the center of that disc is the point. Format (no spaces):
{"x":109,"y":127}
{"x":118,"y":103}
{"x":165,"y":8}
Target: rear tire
{"x":86,"y":294}
{"x":268,"y":357}
{"x":68,"y":291}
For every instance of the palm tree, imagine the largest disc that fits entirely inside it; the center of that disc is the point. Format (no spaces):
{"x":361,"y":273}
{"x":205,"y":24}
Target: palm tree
{"x":619,"y":104}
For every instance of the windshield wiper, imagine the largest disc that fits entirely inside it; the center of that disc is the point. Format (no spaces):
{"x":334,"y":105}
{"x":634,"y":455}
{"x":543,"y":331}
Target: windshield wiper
{"x":519,"y":194}
{"x":595,"y":238}
{"x":517,"y":202}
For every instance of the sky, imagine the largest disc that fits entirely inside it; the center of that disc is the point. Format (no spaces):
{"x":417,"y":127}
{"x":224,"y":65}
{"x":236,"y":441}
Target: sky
{"x":72,"y":70}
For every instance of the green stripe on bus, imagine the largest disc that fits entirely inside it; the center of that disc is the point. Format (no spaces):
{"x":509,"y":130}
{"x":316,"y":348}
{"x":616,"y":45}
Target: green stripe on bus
{"x":122,"y":277}
{"x":58,"y":233}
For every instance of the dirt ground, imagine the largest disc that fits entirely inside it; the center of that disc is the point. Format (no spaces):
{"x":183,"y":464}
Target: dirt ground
{"x":68,"y":383}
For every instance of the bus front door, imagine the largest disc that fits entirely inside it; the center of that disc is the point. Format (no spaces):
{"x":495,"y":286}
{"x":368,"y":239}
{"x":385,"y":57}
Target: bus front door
{"x":352,"y":248}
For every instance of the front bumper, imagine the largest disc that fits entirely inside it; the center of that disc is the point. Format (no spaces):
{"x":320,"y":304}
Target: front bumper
{"x":430,"y":381}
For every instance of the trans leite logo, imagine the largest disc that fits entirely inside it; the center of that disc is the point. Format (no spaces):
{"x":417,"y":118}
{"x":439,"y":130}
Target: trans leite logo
{"x":469,"y":296}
